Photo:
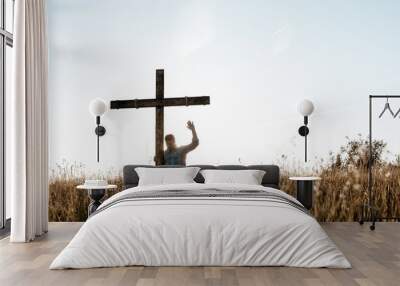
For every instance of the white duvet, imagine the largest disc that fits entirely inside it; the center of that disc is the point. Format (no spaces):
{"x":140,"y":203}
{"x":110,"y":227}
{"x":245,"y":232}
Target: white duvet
{"x":199,"y":231}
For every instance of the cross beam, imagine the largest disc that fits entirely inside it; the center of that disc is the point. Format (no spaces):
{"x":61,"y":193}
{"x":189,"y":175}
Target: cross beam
{"x":153,"y":102}
{"x":159,"y":103}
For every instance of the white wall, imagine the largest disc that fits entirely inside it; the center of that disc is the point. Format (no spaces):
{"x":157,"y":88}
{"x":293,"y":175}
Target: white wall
{"x":255,"y":59}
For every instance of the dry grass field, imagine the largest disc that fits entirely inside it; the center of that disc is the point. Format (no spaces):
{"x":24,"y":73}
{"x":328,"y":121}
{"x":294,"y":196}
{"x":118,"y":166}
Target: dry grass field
{"x":66,"y":203}
{"x":337,"y":197}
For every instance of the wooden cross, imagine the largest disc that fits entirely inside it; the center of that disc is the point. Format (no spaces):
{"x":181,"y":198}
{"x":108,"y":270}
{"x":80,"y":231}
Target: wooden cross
{"x":159,"y":103}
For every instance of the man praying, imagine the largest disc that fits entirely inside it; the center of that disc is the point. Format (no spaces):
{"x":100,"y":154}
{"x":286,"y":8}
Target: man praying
{"x":174,"y":155}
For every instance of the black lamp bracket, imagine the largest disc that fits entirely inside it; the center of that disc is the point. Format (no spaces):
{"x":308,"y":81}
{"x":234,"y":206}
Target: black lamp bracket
{"x":303,"y":130}
{"x":100,"y":130}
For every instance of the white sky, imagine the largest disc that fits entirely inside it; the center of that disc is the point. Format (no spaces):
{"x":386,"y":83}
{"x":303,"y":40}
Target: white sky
{"x":256,"y":59}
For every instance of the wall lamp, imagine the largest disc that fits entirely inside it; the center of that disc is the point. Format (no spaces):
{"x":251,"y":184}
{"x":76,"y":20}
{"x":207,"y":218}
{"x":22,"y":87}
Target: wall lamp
{"x":97,"y":108}
{"x":305,"y":108}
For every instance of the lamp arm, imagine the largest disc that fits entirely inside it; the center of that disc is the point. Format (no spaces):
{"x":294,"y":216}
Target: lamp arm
{"x":98,"y":138}
{"x":305,"y":138}
{"x":305,"y":146}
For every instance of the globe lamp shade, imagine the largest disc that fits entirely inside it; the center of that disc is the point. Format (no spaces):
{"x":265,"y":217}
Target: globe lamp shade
{"x":305,"y":107}
{"x":97,"y":107}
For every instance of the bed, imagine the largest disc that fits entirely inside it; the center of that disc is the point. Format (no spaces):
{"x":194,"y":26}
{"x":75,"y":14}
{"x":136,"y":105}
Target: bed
{"x":201,"y":224}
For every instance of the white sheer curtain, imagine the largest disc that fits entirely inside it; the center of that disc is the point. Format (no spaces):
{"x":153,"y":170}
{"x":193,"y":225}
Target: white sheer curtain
{"x":29,"y":158}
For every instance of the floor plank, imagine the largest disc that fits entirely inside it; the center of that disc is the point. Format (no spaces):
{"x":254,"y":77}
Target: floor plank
{"x":375,"y":257}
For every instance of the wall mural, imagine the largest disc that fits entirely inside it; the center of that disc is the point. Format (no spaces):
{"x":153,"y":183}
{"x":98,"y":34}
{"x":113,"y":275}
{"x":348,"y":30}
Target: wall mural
{"x":337,"y":197}
{"x":255,"y":61}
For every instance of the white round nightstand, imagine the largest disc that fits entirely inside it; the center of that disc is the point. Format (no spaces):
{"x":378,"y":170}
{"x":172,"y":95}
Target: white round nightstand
{"x":96,"y":194}
{"x":305,"y":190}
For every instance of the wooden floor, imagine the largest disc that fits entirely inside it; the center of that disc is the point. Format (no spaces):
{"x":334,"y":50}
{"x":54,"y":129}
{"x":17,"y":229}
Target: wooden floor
{"x":375,"y":257}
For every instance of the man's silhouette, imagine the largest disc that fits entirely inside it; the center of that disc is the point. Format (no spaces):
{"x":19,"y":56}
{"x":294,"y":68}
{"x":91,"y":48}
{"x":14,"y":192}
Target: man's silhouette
{"x":174,"y":155}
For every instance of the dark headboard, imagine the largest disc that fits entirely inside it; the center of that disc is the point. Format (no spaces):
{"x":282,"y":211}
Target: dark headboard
{"x":271,"y":177}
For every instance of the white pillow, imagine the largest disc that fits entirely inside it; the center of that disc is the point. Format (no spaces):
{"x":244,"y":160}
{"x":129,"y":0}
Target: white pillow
{"x":166,"y":176}
{"x":248,"y":177}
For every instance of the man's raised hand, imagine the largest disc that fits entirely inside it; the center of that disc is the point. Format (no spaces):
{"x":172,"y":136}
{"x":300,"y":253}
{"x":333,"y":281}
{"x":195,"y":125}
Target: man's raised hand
{"x":190,"y":125}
